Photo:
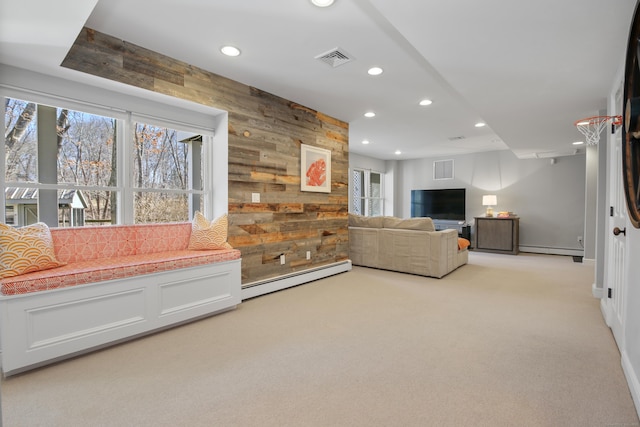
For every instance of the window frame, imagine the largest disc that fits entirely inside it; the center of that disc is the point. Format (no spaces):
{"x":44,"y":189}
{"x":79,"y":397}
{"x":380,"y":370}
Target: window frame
{"x":366,"y":187}
{"x":142,"y":109}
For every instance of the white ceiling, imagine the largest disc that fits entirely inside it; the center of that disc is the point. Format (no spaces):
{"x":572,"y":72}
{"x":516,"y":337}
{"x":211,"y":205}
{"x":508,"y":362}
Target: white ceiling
{"x":527,"y":69}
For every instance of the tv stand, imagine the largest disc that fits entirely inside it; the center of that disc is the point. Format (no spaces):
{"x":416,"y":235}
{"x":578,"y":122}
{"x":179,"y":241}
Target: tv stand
{"x":464,"y":229}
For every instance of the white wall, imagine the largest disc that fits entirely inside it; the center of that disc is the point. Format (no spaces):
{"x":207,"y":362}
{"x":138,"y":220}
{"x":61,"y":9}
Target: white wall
{"x":548,"y":197}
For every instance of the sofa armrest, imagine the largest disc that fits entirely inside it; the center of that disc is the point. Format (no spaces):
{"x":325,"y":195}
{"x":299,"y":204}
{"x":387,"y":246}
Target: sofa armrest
{"x":443,"y":257}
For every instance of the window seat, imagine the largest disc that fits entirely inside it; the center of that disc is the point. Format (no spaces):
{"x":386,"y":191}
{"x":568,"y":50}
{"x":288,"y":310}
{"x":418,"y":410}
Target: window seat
{"x":119,"y":282}
{"x":98,"y":270}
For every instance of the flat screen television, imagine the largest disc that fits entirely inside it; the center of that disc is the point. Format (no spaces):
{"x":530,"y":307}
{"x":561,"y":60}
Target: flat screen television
{"x":439,"y":204}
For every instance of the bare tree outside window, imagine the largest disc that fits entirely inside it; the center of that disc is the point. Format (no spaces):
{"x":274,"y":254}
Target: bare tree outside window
{"x":161,"y":163}
{"x":87,"y":161}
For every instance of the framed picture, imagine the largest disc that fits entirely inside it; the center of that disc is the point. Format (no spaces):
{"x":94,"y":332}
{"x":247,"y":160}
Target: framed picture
{"x":315,"y":170}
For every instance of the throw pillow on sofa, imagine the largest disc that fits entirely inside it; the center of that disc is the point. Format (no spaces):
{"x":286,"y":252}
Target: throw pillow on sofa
{"x":208,"y":235}
{"x":26,"y":249}
{"x":463,"y":243}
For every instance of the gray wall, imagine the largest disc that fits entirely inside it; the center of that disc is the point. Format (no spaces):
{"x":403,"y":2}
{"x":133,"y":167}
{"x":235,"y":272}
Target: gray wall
{"x":548,"y":197}
{"x":602,"y":214}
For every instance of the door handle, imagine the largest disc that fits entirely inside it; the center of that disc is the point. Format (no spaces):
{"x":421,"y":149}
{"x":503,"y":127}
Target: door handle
{"x":617,"y":231}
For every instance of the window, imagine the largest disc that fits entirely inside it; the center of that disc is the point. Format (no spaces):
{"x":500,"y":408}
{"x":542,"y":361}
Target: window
{"x":166,"y":167}
{"x":367,"y":193}
{"x":67,"y":166}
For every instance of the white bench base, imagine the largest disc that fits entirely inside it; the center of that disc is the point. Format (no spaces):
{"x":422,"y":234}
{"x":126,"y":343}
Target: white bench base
{"x":43,"y":327}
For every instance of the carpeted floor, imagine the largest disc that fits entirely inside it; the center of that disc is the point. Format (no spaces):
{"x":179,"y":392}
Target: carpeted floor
{"x":503,"y":341}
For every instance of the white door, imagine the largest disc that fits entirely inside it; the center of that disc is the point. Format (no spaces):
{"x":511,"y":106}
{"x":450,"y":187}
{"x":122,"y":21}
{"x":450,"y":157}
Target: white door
{"x":615,"y":285}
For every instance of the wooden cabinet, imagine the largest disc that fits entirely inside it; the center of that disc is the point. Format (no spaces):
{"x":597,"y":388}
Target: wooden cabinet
{"x":499,"y":235}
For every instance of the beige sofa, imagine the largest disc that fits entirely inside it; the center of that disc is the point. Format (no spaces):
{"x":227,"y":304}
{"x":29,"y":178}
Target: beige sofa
{"x":404,"y":245}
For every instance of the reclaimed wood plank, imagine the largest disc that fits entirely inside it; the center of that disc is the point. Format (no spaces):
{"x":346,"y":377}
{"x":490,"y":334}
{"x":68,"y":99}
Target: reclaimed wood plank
{"x":265,"y":133}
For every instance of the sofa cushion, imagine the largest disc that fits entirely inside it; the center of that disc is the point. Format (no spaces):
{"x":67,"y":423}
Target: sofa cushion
{"x":26,"y":249}
{"x":164,"y":237}
{"x":365,"y":221}
{"x":422,"y":224}
{"x":98,"y":270}
{"x":75,"y":244}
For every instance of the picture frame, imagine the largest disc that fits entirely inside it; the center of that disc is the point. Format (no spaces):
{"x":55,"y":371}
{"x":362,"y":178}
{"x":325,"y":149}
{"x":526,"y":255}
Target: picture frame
{"x":315,"y":169}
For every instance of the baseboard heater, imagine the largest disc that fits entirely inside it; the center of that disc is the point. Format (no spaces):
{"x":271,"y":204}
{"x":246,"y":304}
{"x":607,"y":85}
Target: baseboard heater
{"x":551,"y":251}
{"x":262,"y":287}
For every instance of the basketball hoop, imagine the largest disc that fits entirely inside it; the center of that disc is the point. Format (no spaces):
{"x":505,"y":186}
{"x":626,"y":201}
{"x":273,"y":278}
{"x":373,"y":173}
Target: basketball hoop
{"x":591,"y":127}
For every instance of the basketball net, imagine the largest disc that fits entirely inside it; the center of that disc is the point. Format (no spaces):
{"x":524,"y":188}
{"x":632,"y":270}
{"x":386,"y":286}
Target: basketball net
{"x":591,"y":127}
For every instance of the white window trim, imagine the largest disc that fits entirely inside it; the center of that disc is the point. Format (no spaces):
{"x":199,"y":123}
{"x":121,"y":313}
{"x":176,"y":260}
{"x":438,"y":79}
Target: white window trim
{"x":366,"y":185}
{"x":215,"y":152}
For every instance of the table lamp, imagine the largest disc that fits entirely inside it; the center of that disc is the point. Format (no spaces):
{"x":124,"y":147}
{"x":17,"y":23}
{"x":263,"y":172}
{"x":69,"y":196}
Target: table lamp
{"x":489,"y":201}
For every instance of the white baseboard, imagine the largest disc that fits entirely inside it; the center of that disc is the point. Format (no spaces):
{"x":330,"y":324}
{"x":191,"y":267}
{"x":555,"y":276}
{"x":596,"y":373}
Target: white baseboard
{"x":632,"y":380}
{"x":552,"y":251}
{"x":254,"y":289}
{"x":604,"y":308}
{"x":596,"y":291}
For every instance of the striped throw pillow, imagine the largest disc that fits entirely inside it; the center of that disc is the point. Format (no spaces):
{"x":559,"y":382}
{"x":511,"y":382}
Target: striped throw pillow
{"x":26,"y":249}
{"x":207,"y":235}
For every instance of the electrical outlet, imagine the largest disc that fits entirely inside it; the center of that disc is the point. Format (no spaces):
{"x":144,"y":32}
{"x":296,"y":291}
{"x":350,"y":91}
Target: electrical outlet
{"x":255,"y":197}
{"x":308,"y":254}
{"x":282,"y":261}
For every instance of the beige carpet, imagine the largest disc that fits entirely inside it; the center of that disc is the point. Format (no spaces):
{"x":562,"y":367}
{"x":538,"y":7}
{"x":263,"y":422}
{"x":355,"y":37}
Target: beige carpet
{"x":503,"y":341}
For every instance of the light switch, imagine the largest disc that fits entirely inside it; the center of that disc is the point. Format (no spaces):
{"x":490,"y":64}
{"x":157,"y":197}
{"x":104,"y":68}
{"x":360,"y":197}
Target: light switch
{"x":255,"y":197}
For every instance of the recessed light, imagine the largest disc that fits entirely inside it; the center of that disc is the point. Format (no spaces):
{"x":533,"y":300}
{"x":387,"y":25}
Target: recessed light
{"x":578,"y":143}
{"x":369,"y":114}
{"x":365,"y":141}
{"x":375,"y":71}
{"x":322,"y":3}
{"x":480,"y":124}
{"x":426,"y":102}
{"x":230,"y":50}
{"x":398,"y":152}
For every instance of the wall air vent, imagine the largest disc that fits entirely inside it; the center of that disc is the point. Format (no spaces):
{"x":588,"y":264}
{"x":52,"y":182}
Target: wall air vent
{"x":335,"y":57}
{"x":443,"y":169}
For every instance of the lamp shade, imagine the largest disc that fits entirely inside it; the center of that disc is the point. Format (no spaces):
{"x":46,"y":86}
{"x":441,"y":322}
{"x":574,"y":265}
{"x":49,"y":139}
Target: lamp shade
{"x":489,"y":200}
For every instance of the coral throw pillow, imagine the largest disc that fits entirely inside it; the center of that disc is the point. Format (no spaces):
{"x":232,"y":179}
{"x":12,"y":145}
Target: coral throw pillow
{"x":206,"y":235}
{"x":463,"y":243}
{"x":26,"y":249}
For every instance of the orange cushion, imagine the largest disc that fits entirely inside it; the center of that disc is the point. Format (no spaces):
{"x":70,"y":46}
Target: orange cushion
{"x":463,"y":243}
{"x":207,"y":235}
{"x":26,"y":249}
{"x":102,"y":269}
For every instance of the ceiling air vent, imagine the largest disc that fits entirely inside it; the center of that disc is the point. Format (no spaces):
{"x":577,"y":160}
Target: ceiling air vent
{"x":335,"y":57}
{"x":456,"y":138}
{"x":443,"y":169}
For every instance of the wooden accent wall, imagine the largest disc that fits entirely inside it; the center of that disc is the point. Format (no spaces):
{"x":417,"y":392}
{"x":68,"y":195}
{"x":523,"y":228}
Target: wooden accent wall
{"x":265,"y":134}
